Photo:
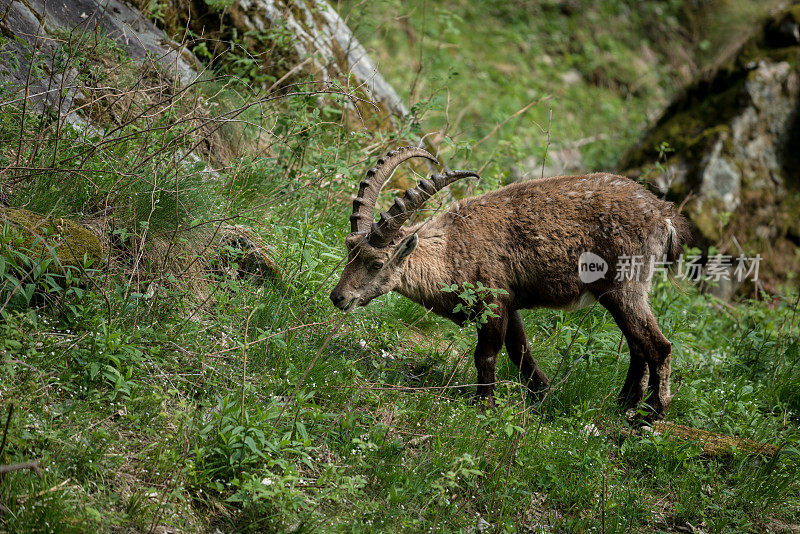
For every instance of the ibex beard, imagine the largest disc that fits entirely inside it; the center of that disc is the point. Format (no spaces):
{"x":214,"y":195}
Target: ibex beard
{"x":526,"y":239}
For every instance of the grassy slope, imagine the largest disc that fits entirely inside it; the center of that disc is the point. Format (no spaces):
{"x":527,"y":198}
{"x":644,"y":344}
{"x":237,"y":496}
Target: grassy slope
{"x":599,"y":72}
{"x":261,"y":409}
{"x":602,"y":70}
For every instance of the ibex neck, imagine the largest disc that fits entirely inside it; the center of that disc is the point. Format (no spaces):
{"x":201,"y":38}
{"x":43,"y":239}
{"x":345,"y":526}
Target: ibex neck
{"x":425,"y":272}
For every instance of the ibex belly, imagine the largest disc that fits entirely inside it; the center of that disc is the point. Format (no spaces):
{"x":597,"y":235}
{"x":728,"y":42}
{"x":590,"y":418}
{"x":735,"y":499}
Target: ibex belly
{"x":585,"y":300}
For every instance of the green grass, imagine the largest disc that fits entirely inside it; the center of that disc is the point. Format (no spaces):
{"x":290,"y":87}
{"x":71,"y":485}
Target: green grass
{"x":368,"y":424}
{"x":173,"y":395}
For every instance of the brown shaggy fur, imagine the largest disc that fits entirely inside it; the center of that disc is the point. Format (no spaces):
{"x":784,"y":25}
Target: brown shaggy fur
{"x":526,"y":238}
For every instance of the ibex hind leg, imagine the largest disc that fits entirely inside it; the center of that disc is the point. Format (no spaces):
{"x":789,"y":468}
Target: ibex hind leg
{"x":519,"y":352}
{"x":660,"y":364}
{"x":649,"y":349}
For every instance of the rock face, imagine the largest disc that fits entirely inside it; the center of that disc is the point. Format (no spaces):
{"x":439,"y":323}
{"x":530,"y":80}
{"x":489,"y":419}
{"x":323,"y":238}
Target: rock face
{"x":39,"y":33}
{"x":322,"y":36}
{"x":729,"y":147}
{"x":288,"y":39}
{"x":319,"y":43}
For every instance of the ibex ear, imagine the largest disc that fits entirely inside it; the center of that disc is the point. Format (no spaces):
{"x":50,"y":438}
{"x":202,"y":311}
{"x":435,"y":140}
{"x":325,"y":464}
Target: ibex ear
{"x":406,"y":247}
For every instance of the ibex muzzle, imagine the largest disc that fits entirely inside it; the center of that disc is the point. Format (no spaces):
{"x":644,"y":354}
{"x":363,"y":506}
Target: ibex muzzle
{"x":527,"y":239}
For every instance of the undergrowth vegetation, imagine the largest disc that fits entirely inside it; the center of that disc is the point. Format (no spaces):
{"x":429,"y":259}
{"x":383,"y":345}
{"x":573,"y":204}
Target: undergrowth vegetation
{"x":163,"y":389}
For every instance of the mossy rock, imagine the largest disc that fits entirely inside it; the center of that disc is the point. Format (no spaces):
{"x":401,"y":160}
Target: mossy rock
{"x":713,"y":444}
{"x":709,"y":217}
{"x":743,"y":112}
{"x":690,"y":131}
{"x":43,"y":237}
{"x":718,"y":95}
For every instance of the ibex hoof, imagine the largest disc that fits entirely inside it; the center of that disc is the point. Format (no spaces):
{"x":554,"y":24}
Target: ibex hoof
{"x":644,"y":415}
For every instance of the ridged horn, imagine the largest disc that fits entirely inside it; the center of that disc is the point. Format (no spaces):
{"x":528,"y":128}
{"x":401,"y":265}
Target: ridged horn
{"x":385,"y":230}
{"x":370,"y":187}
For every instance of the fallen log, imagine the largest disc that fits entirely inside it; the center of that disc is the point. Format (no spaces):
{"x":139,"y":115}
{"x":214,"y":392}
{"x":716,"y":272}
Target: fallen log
{"x":714,"y":444}
{"x":32,"y":465}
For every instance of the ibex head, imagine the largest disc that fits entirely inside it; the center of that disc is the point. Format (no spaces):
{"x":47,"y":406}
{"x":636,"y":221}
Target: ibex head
{"x":376,"y":251}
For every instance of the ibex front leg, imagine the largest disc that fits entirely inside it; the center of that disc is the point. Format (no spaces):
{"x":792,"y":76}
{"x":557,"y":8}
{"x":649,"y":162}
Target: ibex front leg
{"x":490,"y":341}
{"x":520,"y":354}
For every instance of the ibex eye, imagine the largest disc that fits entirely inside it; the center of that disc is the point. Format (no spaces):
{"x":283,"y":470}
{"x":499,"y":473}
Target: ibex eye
{"x":376,"y":265}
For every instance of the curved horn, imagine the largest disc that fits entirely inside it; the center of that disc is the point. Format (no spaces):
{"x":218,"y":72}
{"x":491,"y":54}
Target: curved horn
{"x":384,"y":231}
{"x":364,"y":203}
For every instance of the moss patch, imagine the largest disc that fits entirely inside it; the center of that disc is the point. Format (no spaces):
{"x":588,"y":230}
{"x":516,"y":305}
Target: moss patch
{"x":691,"y":131}
{"x":46,"y":237}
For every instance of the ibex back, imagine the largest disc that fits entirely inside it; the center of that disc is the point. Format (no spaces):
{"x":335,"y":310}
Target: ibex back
{"x":526,"y":238}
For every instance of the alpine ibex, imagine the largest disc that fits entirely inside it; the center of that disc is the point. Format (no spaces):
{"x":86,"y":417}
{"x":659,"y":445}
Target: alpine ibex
{"x":525,"y":238}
